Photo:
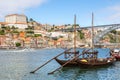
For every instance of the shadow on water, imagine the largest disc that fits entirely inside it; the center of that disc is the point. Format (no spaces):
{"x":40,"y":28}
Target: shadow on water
{"x":76,"y":73}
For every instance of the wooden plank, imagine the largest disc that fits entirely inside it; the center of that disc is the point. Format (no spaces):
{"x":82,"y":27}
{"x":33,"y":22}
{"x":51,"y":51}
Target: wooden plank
{"x":49,"y":61}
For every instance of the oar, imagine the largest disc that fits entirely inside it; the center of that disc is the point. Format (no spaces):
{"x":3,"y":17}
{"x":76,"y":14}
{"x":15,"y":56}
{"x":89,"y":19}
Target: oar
{"x":48,"y":61}
{"x":68,"y":62}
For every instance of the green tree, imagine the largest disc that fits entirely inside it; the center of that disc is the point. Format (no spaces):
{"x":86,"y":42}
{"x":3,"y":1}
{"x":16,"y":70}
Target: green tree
{"x":37,"y":35}
{"x":81,"y":35}
{"x":3,"y":27}
{"x":112,"y":38}
{"x":76,"y":25}
{"x":27,"y":19}
{"x":8,"y":28}
{"x":2,"y":32}
{"x":55,"y":38}
{"x":30,"y":32}
{"x":65,"y":25}
{"x":113,"y":31}
{"x":31,"y":20}
{"x":18,"y":44}
{"x":15,"y":31}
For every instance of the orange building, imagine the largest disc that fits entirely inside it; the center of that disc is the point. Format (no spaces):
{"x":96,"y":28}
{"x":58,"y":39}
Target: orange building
{"x":22,"y":34}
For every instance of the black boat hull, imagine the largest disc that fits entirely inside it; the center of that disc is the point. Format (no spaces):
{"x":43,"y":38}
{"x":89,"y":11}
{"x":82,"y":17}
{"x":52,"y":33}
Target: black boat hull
{"x":70,"y":64}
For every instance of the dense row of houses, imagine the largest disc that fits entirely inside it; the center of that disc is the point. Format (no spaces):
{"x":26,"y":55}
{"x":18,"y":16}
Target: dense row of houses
{"x":38,"y":42}
{"x":21,"y":23}
{"x":49,"y":35}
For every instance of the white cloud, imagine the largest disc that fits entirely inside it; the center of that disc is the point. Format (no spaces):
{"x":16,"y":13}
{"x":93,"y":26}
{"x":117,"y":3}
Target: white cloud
{"x":115,"y":12}
{"x":115,"y":8}
{"x":108,"y":15}
{"x":17,"y":6}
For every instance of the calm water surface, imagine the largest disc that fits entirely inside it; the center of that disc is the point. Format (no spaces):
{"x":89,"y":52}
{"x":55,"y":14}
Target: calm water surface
{"x":16,"y":65}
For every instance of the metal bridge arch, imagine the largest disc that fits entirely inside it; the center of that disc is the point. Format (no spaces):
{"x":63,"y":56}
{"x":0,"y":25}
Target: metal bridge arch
{"x":101,"y":34}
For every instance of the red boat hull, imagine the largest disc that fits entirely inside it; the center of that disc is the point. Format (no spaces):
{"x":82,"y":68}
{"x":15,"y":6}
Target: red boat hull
{"x":117,"y":57}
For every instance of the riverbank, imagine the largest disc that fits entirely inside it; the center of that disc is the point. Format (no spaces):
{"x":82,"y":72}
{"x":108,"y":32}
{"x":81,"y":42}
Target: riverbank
{"x":64,"y":47}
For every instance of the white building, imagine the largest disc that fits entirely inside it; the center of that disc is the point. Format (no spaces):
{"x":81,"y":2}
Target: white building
{"x":58,"y":34}
{"x":17,"y":20}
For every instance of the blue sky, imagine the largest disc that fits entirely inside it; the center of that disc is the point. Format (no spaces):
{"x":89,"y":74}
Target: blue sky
{"x":62,"y":11}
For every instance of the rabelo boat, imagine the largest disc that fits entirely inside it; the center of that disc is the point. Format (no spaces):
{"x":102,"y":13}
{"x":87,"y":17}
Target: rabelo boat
{"x":90,"y":59}
{"x":70,"y":54}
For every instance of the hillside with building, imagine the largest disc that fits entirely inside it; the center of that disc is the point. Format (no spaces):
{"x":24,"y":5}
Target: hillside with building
{"x":17,"y":28}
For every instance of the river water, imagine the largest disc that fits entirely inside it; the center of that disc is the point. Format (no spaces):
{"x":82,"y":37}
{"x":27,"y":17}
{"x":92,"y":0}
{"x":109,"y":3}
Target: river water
{"x":16,"y":65}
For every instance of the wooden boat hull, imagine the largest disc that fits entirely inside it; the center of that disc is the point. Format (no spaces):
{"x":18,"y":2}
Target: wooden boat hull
{"x":96,"y":64}
{"x":70,"y":64}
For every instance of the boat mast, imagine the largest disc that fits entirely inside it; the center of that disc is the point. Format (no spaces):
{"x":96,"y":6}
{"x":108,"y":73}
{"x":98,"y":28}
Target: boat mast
{"x":92,"y":32}
{"x":75,"y":35}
